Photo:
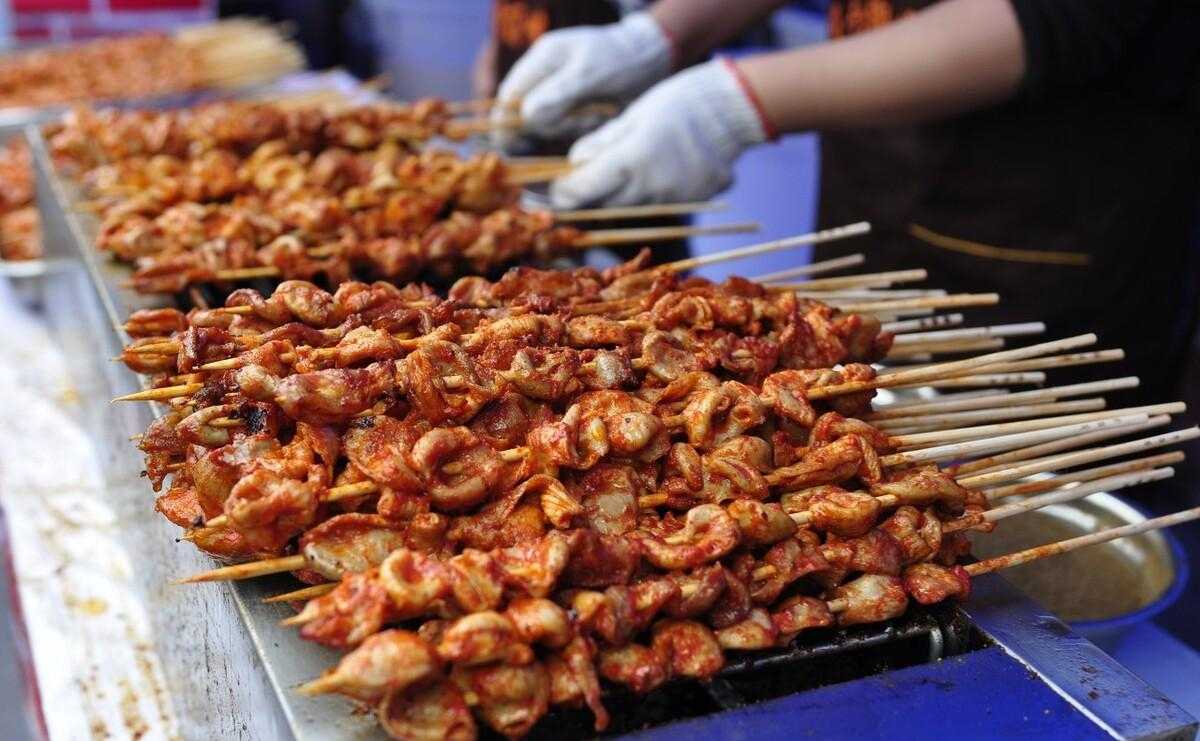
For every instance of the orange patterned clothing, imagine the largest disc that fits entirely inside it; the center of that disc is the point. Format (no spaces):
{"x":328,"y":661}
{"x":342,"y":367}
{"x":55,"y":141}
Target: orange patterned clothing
{"x":516,"y":24}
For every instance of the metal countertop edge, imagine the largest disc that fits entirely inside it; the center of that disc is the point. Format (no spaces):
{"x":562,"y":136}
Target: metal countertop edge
{"x":52,"y":195}
{"x":1095,"y":683}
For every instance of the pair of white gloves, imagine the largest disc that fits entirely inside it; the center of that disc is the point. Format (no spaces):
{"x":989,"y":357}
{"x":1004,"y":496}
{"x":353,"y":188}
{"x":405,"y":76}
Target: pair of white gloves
{"x":677,"y":142}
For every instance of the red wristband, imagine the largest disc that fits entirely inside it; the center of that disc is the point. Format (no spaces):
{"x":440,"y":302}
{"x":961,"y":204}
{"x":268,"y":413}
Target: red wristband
{"x":672,"y":44}
{"x":769,"y":128}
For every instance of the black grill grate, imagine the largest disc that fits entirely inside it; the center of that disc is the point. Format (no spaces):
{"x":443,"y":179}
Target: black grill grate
{"x":816,"y":659}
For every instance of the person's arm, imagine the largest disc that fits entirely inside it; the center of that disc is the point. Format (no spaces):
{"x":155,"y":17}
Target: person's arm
{"x":572,"y":66}
{"x":679,"y":141}
{"x":696,"y":27}
{"x":955,"y":56}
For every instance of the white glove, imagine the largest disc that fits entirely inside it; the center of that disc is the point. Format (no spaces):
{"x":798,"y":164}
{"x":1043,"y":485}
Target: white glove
{"x":678,"y":142}
{"x":572,"y":66}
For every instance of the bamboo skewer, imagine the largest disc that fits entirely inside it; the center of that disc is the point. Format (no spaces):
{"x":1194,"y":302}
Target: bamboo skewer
{"x":957,"y":300}
{"x":967,"y":448}
{"x":908,"y":409}
{"x":1026,"y":488}
{"x":826,"y":235}
{"x":916,"y":325}
{"x":302,"y":595}
{"x":878,"y":280}
{"x":1064,"y":546}
{"x":1066,"y":460}
{"x":1069,"y":494}
{"x":865,"y":293}
{"x":923,"y":351}
{"x":248,"y":570}
{"x":933,"y":422}
{"x":1055,"y":361}
{"x":598,"y":238}
{"x":996,"y":462}
{"x":989,"y":381}
{"x":941,"y":370}
{"x":162,"y":393}
{"x":635,"y":212}
{"x":973,"y":433}
{"x":971,"y":333}
{"x":660,"y":233}
{"x":813,"y":268}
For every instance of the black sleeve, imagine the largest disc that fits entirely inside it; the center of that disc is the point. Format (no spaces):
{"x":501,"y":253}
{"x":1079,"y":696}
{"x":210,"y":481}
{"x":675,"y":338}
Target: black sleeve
{"x":1071,"y":44}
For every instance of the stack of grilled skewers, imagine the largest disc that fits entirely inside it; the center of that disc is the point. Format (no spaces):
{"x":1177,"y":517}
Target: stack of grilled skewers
{"x":503,"y":497}
{"x":231,"y":53}
{"x":251,"y":190}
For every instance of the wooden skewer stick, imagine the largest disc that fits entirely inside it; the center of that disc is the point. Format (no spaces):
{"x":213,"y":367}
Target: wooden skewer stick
{"x":941,"y":370}
{"x":1081,"y":457}
{"x":163,"y":393}
{"x":1018,"y":367}
{"x":838,"y":296}
{"x":916,"y":325}
{"x":1026,"y":488}
{"x":827,"y":235}
{"x":1070,"y":494}
{"x":989,"y":380}
{"x":874,"y":280}
{"x":303,"y":595}
{"x":267,"y":271}
{"x":248,"y":570}
{"x":1064,"y":546}
{"x":971,"y":333}
{"x":635,"y":212}
{"x":813,"y":268}
{"x":974,"y":447}
{"x":996,"y":462}
{"x":972,"y":433}
{"x":604,"y":237}
{"x":1054,"y":361}
{"x":925,"y":350}
{"x":968,"y":448}
{"x":956,"y":300}
{"x":540,"y":175}
{"x":1054,"y":393}
{"x":950,"y":420}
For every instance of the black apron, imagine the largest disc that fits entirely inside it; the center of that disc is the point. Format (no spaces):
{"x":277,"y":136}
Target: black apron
{"x":1080,"y":212}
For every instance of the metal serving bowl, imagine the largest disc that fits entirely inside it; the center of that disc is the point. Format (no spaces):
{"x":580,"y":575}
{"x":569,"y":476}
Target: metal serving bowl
{"x":1101,"y":590}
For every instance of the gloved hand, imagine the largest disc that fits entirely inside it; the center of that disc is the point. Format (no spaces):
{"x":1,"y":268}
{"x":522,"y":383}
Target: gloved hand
{"x":567,"y":68}
{"x":678,"y":142}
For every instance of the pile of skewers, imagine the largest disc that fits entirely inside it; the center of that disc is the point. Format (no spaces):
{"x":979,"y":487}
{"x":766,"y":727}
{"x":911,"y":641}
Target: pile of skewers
{"x":501,"y":498}
{"x":252,"y":190}
{"x":228,"y":54}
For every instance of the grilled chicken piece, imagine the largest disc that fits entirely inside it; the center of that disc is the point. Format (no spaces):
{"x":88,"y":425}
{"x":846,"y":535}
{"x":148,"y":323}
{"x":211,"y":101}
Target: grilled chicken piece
{"x":385,"y":663}
{"x":871,"y":598}
{"x":434,"y":711}
{"x":930,"y":583}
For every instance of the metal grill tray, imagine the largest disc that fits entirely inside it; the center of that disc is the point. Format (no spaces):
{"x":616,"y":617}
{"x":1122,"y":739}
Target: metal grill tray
{"x":217,"y":667}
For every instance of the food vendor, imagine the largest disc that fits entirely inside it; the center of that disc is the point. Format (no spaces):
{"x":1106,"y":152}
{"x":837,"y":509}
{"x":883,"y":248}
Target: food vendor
{"x":1047,"y":150}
